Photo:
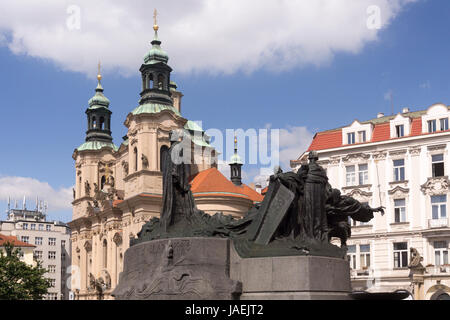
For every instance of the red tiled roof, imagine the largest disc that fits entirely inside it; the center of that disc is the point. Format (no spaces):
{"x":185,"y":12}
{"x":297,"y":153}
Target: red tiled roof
{"x":381,"y":132}
{"x":416,"y":127}
{"x":326,"y":140}
{"x":16,"y":242}
{"x":212,"y":182}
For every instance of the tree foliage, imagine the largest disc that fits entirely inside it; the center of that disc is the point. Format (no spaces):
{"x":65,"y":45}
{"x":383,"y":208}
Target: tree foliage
{"x":18,"y":280}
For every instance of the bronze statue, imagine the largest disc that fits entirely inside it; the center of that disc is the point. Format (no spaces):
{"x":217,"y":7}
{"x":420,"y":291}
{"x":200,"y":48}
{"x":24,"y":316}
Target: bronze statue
{"x":298,"y":216}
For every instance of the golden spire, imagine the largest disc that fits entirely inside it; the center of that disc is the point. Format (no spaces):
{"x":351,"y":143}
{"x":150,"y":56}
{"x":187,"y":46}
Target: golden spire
{"x":99,"y":76}
{"x":155,"y":22}
{"x":235,"y":143}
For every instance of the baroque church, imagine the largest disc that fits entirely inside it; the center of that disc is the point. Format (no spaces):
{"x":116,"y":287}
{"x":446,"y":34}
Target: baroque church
{"x":119,"y":188}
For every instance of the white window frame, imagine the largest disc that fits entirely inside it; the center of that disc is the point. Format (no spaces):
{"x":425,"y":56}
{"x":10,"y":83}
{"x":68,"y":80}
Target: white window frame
{"x":402,"y":263}
{"x":364,"y":257}
{"x":440,"y":207}
{"x":402,"y":213}
{"x":397,"y":172}
{"x":434,"y":162}
{"x":442,"y":251}
{"x":350,"y":177}
{"x":365,"y":173}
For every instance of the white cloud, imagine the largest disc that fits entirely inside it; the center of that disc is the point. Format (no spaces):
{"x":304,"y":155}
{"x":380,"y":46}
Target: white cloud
{"x":389,"y":95}
{"x":18,"y":187}
{"x":199,"y":35}
{"x":425,"y":85}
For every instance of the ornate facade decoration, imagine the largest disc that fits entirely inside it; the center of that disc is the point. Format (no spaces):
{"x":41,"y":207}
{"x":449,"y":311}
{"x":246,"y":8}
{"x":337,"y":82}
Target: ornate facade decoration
{"x":398,"y":192}
{"x":436,"y":186}
{"x":380,"y":155}
{"x":356,"y":157}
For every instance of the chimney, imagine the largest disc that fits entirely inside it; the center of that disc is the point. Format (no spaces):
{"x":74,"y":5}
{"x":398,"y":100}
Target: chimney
{"x":405,"y":110}
{"x":380,"y":115}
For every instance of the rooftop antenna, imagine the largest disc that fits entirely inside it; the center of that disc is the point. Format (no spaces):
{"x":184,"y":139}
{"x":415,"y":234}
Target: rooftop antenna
{"x":9,"y":203}
{"x":15,"y":203}
{"x":391,"y":98}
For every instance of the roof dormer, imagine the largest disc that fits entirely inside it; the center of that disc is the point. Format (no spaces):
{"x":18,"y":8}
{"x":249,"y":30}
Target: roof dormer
{"x":400,"y":126}
{"x":357,"y":132}
{"x":436,"y":119}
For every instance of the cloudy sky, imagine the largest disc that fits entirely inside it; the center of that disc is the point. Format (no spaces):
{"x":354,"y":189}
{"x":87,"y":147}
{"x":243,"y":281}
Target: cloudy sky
{"x":297,"y":66}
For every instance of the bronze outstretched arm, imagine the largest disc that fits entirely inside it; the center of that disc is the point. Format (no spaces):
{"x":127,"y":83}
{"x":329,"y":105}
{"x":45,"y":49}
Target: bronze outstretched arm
{"x":379,"y":209}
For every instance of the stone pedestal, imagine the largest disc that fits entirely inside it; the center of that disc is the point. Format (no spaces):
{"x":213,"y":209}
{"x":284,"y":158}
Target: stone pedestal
{"x":178,"y":269}
{"x":291,"y":278}
{"x":210,"y":268}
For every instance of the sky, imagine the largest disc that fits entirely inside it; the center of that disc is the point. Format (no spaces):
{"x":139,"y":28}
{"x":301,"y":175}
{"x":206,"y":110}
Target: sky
{"x":297,"y":66}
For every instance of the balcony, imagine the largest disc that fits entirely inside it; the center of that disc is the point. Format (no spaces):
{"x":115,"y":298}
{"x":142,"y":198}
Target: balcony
{"x":438,"y":270}
{"x":438,"y":223}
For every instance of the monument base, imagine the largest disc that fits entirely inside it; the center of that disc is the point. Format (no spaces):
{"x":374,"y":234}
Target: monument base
{"x":291,"y":277}
{"x":210,"y":268}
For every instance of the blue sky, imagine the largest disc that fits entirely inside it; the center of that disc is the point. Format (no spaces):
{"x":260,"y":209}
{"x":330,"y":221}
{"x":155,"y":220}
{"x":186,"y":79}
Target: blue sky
{"x":42,"y":102}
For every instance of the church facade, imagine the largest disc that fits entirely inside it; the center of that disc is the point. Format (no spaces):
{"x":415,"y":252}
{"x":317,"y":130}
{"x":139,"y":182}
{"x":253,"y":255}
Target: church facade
{"x":119,"y":188}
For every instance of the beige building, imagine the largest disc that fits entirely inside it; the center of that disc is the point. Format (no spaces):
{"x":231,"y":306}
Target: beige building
{"x":118,"y":189}
{"x":399,"y":162}
{"x":50,"y":241}
{"x":26,"y":249}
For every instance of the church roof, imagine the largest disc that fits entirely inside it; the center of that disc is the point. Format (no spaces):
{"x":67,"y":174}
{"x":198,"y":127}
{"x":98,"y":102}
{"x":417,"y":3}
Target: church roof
{"x":154,"y":108}
{"x":97,"y":145}
{"x":212,"y":182}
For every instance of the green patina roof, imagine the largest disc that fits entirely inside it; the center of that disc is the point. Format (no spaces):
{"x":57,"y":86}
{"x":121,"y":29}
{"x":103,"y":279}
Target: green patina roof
{"x":156,"y":54}
{"x":96,"y":145}
{"x":98,"y":100}
{"x":235,"y":159}
{"x":193,"y":126}
{"x":154,"y":108}
{"x":200,"y":141}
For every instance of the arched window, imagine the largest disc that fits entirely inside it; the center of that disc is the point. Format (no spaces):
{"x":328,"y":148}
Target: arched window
{"x":161,"y":82}
{"x":135,"y":159}
{"x":101,"y":122}
{"x":102,"y":183}
{"x":94,"y":122}
{"x":163,"y":151}
{"x":105,"y":254}
{"x":150,"y":81}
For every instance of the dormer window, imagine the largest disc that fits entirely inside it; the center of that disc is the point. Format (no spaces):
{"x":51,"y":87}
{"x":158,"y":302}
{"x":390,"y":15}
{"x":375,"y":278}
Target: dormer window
{"x":400,"y":131}
{"x":443,"y":124}
{"x":431,"y":126}
{"x":361,"y":136}
{"x":351,"y":138}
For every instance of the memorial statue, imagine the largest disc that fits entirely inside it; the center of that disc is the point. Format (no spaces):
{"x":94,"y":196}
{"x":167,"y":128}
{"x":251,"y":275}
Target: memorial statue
{"x":299,"y":215}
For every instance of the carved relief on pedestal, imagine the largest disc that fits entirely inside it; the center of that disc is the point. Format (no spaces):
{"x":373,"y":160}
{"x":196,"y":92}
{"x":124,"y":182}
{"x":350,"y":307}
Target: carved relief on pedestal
{"x":436,"y":186}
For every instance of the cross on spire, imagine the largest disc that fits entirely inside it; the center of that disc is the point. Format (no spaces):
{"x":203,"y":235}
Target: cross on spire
{"x":155,"y":22}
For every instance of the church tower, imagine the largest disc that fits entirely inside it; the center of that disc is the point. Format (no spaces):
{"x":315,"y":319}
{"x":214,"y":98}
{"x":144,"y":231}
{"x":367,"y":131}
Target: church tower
{"x":99,"y":116}
{"x":235,"y":166}
{"x":156,"y":86}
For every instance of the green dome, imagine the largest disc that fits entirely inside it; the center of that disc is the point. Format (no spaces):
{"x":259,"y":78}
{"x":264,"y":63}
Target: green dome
{"x":98,"y":100}
{"x":156,"y":54}
{"x":235,"y":159}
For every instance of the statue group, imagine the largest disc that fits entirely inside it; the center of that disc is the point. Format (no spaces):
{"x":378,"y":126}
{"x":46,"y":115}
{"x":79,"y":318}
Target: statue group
{"x":299,"y":215}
